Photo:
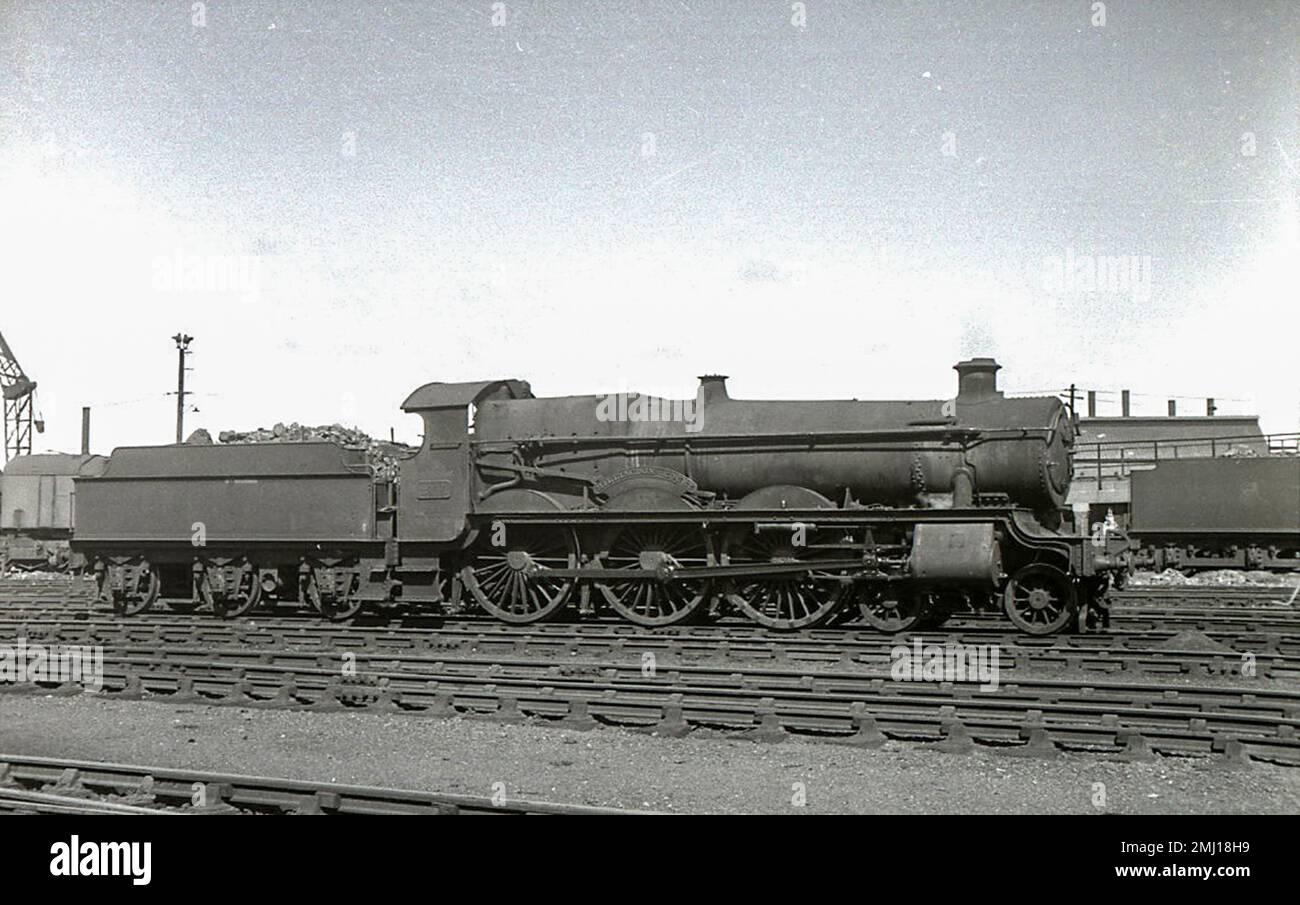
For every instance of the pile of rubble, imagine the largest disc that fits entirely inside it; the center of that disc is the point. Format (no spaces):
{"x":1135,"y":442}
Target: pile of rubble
{"x":382,"y":454}
{"x":1218,"y":578}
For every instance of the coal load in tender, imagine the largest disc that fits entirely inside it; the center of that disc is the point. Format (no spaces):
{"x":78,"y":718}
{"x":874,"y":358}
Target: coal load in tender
{"x":383,"y":455}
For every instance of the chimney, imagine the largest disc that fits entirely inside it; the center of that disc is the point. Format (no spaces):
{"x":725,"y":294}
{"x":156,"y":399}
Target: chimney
{"x":1173,"y":408}
{"x":1210,"y":407}
{"x":713,"y":388}
{"x":1092,"y":403}
{"x":977,"y":377}
{"x":85,"y":430}
{"x":1123,"y":403}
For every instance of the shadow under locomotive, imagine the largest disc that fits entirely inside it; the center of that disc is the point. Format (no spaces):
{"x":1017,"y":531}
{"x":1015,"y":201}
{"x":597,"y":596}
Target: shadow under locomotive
{"x":794,"y":514}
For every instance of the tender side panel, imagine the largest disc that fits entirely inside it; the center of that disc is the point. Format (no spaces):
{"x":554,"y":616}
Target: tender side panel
{"x":1219,"y":497}
{"x":291,"y":492}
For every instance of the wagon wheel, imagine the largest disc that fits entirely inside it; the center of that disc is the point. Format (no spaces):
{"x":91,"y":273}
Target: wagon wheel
{"x":1040,"y":600}
{"x":510,"y":581}
{"x":894,"y":609}
{"x":139,"y":599}
{"x":650,"y":596}
{"x":783,"y":602}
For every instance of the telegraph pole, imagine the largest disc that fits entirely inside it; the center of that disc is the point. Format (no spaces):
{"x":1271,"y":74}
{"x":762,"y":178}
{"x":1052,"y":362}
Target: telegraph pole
{"x":182,"y":349}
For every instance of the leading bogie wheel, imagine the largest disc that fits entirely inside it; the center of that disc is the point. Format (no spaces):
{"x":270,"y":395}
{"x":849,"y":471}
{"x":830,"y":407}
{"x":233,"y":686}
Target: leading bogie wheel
{"x":1040,"y":600}
{"x":894,"y":608}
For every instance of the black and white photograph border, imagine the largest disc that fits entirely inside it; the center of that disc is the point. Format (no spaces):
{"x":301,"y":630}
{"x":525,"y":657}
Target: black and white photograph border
{"x":664,"y":407}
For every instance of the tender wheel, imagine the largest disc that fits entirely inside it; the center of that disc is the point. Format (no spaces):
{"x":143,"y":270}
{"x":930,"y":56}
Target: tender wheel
{"x":238,"y":605}
{"x":341,"y":610}
{"x":510,"y":581}
{"x":341,"y":604}
{"x":650,"y":596}
{"x":894,"y":609}
{"x":140,"y":597}
{"x":234,"y":602}
{"x":803,"y":600}
{"x":1040,"y":600}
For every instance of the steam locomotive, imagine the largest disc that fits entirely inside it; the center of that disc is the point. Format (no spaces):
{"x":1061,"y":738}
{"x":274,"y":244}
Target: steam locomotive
{"x":792,"y":514}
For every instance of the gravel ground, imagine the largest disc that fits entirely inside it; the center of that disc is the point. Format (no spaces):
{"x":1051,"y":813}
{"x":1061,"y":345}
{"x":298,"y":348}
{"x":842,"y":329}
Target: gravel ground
{"x":703,"y":773}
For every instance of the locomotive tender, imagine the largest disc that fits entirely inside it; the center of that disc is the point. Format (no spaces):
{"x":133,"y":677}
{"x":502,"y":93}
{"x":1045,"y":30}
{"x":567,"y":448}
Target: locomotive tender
{"x":794,"y":514}
{"x":1219,"y":513}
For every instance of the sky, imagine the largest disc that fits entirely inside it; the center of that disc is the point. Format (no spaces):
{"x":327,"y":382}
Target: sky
{"x":342,"y":201}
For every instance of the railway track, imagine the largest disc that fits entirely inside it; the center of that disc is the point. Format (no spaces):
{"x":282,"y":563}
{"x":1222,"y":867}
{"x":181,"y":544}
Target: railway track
{"x":1205,"y":638}
{"x":58,"y":786}
{"x":585,"y":674}
{"x":1271,"y":657}
{"x":74,"y":590}
{"x":1203,"y":616}
{"x":1025,"y":716}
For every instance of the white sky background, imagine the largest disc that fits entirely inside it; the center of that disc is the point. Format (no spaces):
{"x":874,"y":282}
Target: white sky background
{"x":798,"y":225}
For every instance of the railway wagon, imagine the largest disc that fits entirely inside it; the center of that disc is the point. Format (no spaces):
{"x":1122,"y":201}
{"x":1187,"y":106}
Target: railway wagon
{"x":37,"y":506}
{"x":1221,"y":513}
{"x":792,"y":514}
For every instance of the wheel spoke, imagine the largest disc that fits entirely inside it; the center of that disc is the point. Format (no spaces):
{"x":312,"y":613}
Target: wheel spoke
{"x":781,"y":602}
{"x":654,"y":598}
{"x":512,"y":583}
{"x":1039,"y":600}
